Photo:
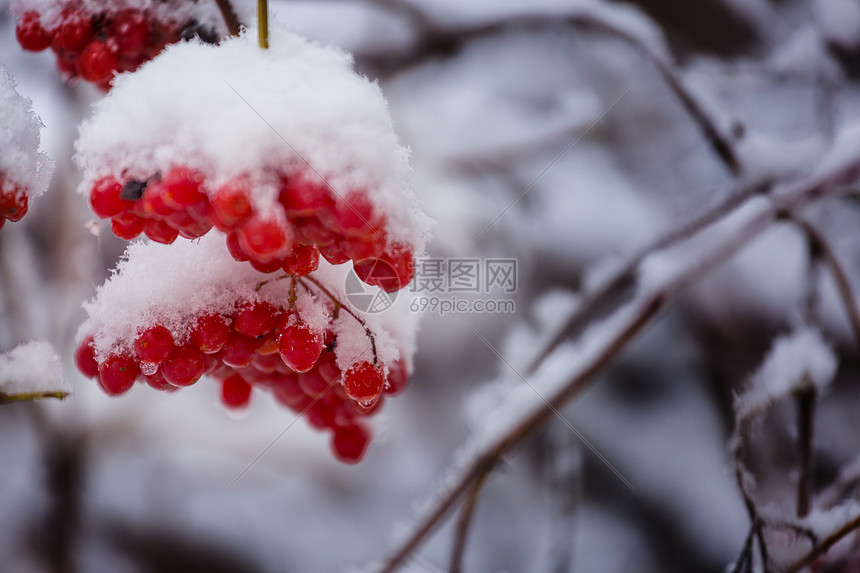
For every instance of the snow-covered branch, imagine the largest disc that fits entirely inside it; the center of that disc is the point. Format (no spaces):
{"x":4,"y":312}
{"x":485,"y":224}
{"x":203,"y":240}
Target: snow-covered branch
{"x":659,"y":279}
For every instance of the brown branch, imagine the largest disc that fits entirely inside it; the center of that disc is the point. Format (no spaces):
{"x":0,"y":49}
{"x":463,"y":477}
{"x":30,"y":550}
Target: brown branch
{"x":625,"y":276}
{"x":435,"y":42}
{"x":263,"y":23}
{"x":461,"y":532}
{"x":818,"y":243}
{"x":231,"y":19}
{"x":636,"y":316}
{"x":824,"y":546}
{"x":805,"y":400}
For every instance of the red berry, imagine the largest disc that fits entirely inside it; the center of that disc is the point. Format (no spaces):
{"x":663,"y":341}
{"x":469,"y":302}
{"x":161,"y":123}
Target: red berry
{"x":73,"y":33}
{"x":267,"y":363}
{"x":85,"y":358}
{"x":160,"y":232}
{"x":117,"y":374}
{"x":270,"y":267}
{"x":127,"y":225}
{"x":363,"y":383}
{"x":300,"y":347}
{"x":303,"y":260}
{"x":289,"y":394}
{"x":184,"y":367}
{"x":353,"y":215}
{"x":236,"y":250}
{"x":391,"y":271}
{"x":159,"y":382}
{"x":153,"y":200}
{"x":327,"y":367}
{"x":182,"y":187}
{"x":154,"y":344}
{"x":350,"y":442}
{"x":210,"y":332}
{"x":235,"y":392}
{"x":179,"y":220}
{"x":398,"y":376}
{"x":265,"y":238}
{"x":13,"y":204}
{"x":30,"y":33}
{"x":334,"y":253}
{"x":256,"y":319}
{"x":105,"y":198}
{"x":239,"y":350}
{"x":131,"y":30}
{"x":269,"y":344}
{"x":312,"y":383}
{"x":195,"y":229}
{"x":231,"y":206}
{"x":98,"y":61}
{"x":301,"y":197}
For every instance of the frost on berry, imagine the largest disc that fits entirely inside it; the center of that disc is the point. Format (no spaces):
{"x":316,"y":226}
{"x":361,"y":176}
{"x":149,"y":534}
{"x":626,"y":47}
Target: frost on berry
{"x":24,"y":170}
{"x":173,"y":315}
{"x":95,"y":39}
{"x":338,"y":191}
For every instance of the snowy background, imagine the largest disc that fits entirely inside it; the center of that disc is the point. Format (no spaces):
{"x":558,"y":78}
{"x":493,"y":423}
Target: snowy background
{"x":534,"y":137}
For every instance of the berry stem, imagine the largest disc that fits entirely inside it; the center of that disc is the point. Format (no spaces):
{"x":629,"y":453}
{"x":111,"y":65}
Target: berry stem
{"x":230,"y":17}
{"x":338,"y":305}
{"x":31,"y":396}
{"x":263,"y":23}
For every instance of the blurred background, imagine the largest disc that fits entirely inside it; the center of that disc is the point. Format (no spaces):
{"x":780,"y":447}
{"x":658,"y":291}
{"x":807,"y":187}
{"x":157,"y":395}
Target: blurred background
{"x":535,"y":137}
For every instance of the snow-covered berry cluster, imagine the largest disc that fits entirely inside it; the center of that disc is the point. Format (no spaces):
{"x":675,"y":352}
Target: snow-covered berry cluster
{"x":24,"y":170}
{"x":93,"y":39}
{"x":172,"y":314}
{"x":286,"y":151}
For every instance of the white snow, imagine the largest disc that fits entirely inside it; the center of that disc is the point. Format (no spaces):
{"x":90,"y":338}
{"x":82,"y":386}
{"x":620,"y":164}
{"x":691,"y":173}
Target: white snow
{"x":839,"y":21}
{"x":169,"y":12}
{"x":21,"y":162}
{"x":238,"y":110}
{"x":31,"y":368}
{"x":172,"y":284}
{"x":796,"y":360}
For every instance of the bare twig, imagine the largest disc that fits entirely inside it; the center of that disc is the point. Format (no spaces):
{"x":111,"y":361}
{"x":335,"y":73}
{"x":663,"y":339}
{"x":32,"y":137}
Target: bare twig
{"x":625,"y":276}
{"x":263,"y":23}
{"x":461,"y":532}
{"x":818,"y":243}
{"x":231,"y":19}
{"x":824,"y":546}
{"x":805,"y":400}
{"x":704,"y":251}
{"x":435,"y":42}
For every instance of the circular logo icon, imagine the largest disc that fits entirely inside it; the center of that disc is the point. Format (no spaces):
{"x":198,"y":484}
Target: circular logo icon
{"x":369,"y":299}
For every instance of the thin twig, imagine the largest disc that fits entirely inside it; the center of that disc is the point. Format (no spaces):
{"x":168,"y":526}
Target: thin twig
{"x":461,"y":532}
{"x":824,"y":546}
{"x":637,"y":315}
{"x":339,"y":305}
{"x":625,"y":276}
{"x":820,"y":244}
{"x":231,"y":19}
{"x":436,"y":42}
{"x":805,"y":400}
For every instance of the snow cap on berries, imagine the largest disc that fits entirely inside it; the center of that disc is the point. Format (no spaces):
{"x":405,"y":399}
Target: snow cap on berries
{"x":22,"y":165}
{"x":170,"y":285}
{"x":236,"y":110}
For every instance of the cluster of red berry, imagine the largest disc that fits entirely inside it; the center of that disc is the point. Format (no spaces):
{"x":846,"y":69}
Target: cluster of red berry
{"x":13,"y":202}
{"x":95,"y":45}
{"x":313,"y":220}
{"x":258,"y":344}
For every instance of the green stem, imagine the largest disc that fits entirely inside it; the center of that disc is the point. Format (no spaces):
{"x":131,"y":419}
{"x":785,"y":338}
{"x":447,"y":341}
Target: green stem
{"x":263,"y":23}
{"x":10,"y":398}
